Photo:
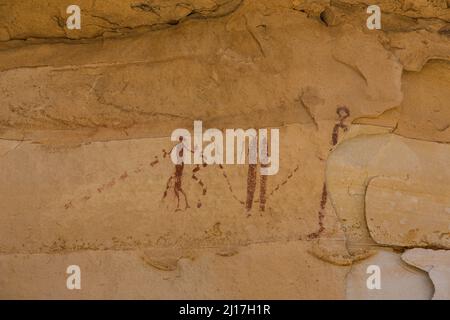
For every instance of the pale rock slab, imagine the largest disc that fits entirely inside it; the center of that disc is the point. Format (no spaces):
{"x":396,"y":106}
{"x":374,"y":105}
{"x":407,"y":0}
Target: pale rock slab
{"x":397,"y":279}
{"x":437,"y":264}
{"x":408,"y":213}
{"x":355,"y":162}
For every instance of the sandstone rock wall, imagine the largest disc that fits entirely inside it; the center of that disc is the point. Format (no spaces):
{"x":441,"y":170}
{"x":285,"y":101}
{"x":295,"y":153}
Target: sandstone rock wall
{"x":85,"y":123}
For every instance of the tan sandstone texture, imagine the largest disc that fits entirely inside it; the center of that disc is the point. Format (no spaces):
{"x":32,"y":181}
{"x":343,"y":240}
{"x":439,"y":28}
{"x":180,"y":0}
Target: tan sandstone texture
{"x":86,"y":118}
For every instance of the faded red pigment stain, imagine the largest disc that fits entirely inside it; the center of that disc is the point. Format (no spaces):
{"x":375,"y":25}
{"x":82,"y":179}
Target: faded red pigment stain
{"x":178,"y":178}
{"x":263,"y":181}
{"x":251,"y":186}
{"x":323,"y":203}
{"x":100,"y":189}
{"x":284,"y":182}
{"x":107,"y":186}
{"x":230,"y":187}
{"x":175,"y":181}
{"x":68,"y":205}
{"x":251,"y":181}
{"x":343,"y":113}
{"x":262,"y":193}
{"x":198,"y":180}
{"x":200,"y":183}
{"x":154,"y":162}
{"x":123,"y":176}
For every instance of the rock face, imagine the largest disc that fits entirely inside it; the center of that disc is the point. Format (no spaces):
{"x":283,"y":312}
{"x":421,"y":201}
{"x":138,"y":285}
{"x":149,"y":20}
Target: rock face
{"x":118,"y":195}
{"x":437,"y":264}
{"x":398,"y":279}
{"x":398,"y":212}
{"x":86,"y":118}
{"x":134,"y":274}
{"x":398,"y":203}
{"x":35,"y":19}
{"x":435,"y":126}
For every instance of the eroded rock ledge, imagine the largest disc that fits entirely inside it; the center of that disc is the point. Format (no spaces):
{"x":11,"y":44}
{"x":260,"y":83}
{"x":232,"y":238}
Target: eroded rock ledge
{"x":33,"y":19}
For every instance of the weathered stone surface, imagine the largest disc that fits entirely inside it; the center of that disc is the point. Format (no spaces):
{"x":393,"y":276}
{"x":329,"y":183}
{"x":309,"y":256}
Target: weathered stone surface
{"x":114,"y":195}
{"x":358,"y":161}
{"x":85,"y":116}
{"x":235,"y":74}
{"x":408,"y":213}
{"x":47,"y":20}
{"x":424,"y":112}
{"x":257,"y":271}
{"x":414,"y":49}
{"x":397,"y":279}
{"x":405,"y":8}
{"x":437,"y":264}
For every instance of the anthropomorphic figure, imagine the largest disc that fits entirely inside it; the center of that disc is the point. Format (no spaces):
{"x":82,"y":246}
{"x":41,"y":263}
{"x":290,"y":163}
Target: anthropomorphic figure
{"x":343,"y":113}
